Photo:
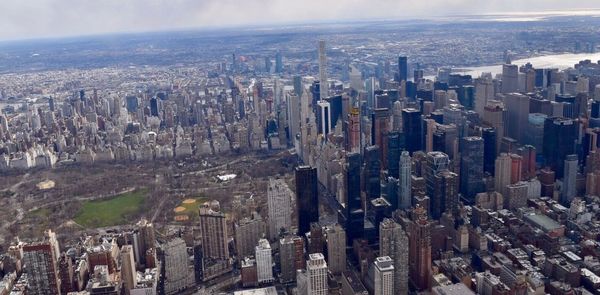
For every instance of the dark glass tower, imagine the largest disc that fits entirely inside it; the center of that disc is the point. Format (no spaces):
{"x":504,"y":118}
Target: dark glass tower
{"x":307,"y":198}
{"x":489,"y":149}
{"x":354,"y":214}
{"x":560,"y":136}
{"x":402,"y":68}
{"x":372,"y":168}
{"x":471,"y":167}
{"x":411,"y":125}
{"x":395,"y":144}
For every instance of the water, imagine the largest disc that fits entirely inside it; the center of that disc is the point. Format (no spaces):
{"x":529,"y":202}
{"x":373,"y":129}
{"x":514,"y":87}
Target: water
{"x":560,"y":61}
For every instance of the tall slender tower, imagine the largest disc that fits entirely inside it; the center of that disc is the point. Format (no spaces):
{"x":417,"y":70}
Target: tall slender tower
{"x":420,"y":249}
{"x":323,"y":85}
{"x":404,"y":181}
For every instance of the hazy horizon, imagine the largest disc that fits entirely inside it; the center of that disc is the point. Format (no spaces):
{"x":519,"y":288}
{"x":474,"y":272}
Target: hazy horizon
{"x":68,"y":18}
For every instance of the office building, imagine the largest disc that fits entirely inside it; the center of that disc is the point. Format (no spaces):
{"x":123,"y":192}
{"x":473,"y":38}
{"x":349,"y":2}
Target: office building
{"x":404,"y":181}
{"x":291,"y":255}
{"x":471,"y":167}
{"x":316,"y":271}
{"x":336,"y":248}
{"x":569,"y":186}
{"x":264,"y":262}
{"x":323,"y":84}
{"x":354,"y":213}
{"x":502,"y":174}
{"x":560,"y":136}
{"x":419,"y":233}
{"x":279,"y":202}
{"x":510,"y":78}
{"x":248,"y":231}
{"x":307,"y":198}
{"x":384,"y":276}
{"x":402,"y":68}
{"x":436,"y":162}
{"x":411,"y":127}
{"x":177,"y":272}
{"x":517,"y":106}
{"x":372,"y":172}
{"x":324,"y":117}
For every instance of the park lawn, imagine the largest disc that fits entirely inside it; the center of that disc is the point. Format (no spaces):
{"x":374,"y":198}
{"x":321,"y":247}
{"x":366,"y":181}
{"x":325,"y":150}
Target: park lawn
{"x":112,"y":211}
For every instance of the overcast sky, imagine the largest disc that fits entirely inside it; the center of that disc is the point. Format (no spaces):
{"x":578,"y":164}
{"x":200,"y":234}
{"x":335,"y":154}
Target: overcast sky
{"x":25,"y":19}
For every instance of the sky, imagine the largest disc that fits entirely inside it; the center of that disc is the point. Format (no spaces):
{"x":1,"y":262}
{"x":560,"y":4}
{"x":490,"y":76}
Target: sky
{"x":30,"y":19}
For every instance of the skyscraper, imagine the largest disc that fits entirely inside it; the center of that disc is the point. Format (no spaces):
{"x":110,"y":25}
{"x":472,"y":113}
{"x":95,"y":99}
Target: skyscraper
{"x":291,"y":254}
{"x":402,"y":68}
{"x":435,"y":162}
{"x":404,"y":181}
{"x":517,"y":106}
{"x":372,"y":172}
{"x":384,"y":276}
{"x":380,"y":127}
{"x":471,"y":167}
{"x":569,"y":187}
{"x":324,"y":117}
{"x":248,"y":231}
{"x":354,"y":213}
{"x":394,"y":147}
{"x":278,"y":62}
{"x":411,"y":127}
{"x":264,"y":262}
{"x":307,"y":198}
{"x":393,"y":242}
{"x":324,"y":85}
{"x":279,"y":202}
{"x":316,"y":269}
{"x":560,"y":136}
{"x":502,"y":174}
{"x":353,"y":136}
{"x":510,"y":78}
{"x":177,"y":275}
{"x":419,"y":232}
{"x":213,"y":229}
{"x":489,"y":149}
{"x":336,"y":248}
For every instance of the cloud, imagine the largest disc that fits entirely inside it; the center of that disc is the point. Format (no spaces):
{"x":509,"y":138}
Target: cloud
{"x":23,"y":19}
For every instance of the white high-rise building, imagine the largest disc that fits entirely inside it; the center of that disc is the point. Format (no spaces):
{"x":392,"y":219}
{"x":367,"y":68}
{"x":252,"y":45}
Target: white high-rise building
{"x":324,"y":117}
{"x":336,"y":248}
{"x":323,"y":85}
{"x":384,"y":276}
{"x":316,"y":271}
{"x":502,"y":173}
{"x":404,"y":181}
{"x":264,"y":262}
{"x":569,"y":186}
{"x":177,"y":271}
{"x":279,"y":205}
